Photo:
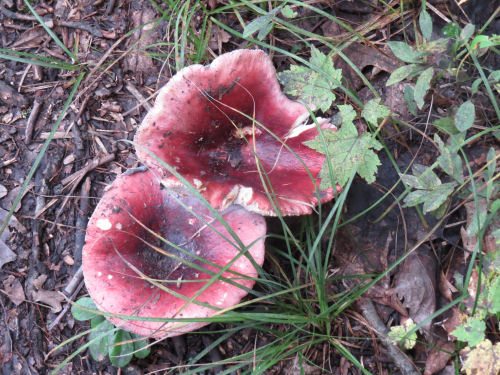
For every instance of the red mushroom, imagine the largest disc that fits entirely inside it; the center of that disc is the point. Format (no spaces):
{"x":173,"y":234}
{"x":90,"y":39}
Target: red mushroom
{"x":122,"y":256}
{"x":212,"y":123}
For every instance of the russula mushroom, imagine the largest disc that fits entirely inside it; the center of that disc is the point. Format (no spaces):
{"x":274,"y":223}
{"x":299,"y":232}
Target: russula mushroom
{"x":212,"y":123}
{"x":131,"y":270}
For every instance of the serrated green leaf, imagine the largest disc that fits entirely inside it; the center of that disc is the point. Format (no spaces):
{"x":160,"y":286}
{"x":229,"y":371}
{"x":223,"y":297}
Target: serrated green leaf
{"x":415,"y":198}
{"x":120,"y":348}
{"x":373,"y":111}
{"x":464,"y":118}
{"x":404,"y":52}
{"x":426,"y":176}
{"x":401,"y":73}
{"x":98,"y":340}
{"x":141,"y":348}
{"x":422,"y":86}
{"x":472,"y":331}
{"x":409,"y":97}
{"x":309,"y":86}
{"x":412,"y":181}
{"x":396,"y":333}
{"x":436,"y":197}
{"x":349,"y":152}
{"x":425,"y":23}
{"x":467,"y":32}
{"x":80,"y":308}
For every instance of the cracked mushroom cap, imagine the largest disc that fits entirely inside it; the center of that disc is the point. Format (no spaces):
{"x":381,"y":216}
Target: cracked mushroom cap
{"x":130,"y":271}
{"x":212,"y":123}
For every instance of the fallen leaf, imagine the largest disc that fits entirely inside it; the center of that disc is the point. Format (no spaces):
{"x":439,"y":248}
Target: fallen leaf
{"x":484,"y":359}
{"x":298,"y":367}
{"x":415,"y":285}
{"x":218,"y":36}
{"x":438,"y":357}
{"x":14,"y":290}
{"x":6,"y":254}
{"x":49,"y":297}
{"x":3,"y":191}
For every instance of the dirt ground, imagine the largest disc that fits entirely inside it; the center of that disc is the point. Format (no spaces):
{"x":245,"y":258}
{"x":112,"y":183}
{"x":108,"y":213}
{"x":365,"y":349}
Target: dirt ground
{"x":41,"y":248}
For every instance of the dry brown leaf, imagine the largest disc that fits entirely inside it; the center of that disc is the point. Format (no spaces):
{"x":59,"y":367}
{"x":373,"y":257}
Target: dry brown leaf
{"x":50,"y":298}
{"x":218,"y":36}
{"x":296,"y":368}
{"x":6,"y":254}
{"x":415,"y":284}
{"x":438,"y":357}
{"x":31,"y":38}
{"x":14,"y":290}
{"x":483,"y":359}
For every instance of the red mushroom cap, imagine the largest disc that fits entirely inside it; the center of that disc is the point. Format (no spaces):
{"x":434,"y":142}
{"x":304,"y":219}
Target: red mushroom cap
{"x":118,"y":244}
{"x":202,"y":125}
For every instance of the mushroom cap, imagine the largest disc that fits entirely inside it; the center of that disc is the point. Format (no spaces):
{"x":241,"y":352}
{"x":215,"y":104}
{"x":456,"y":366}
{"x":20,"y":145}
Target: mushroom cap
{"x":119,"y":242}
{"x":211,"y":123}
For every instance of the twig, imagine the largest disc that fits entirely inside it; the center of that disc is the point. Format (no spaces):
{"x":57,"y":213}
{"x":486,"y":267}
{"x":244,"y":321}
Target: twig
{"x":74,"y":283}
{"x":133,"y":90}
{"x":28,"y":132}
{"x":71,"y":24}
{"x":78,"y":175}
{"x":400,"y":359}
{"x":81,"y":221}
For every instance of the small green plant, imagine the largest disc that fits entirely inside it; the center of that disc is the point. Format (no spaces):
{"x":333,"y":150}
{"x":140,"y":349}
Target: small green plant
{"x":480,"y":354}
{"x":399,"y":332}
{"x":107,"y":340}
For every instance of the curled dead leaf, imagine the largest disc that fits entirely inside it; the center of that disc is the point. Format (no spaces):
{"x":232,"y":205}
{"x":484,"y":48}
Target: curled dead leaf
{"x":415,"y":284}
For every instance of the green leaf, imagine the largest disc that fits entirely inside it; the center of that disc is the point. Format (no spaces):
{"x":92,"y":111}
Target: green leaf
{"x":446,"y":125}
{"x":464,"y":118}
{"x":120,"y":348}
{"x":348,"y":151}
{"x":475,"y":85}
{"x":494,"y":296}
{"x":309,"y":86}
{"x":450,"y":162}
{"x":426,"y":176}
{"x":373,"y":111}
{"x":467,"y":32}
{"x":436,"y":197}
{"x":288,"y":12}
{"x":425,"y":23}
{"x":472,"y":331}
{"x":262,"y":24}
{"x":409,"y":97}
{"x":80,"y":308}
{"x":398,"y":332}
{"x":401,"y":73}
{"x":404,"y":52}
{"x":451,"y":30}
{"x":141,"y":348}
{"x":98,"y":340}
{"x":482,"y":41}
{"x":422,"y":86}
